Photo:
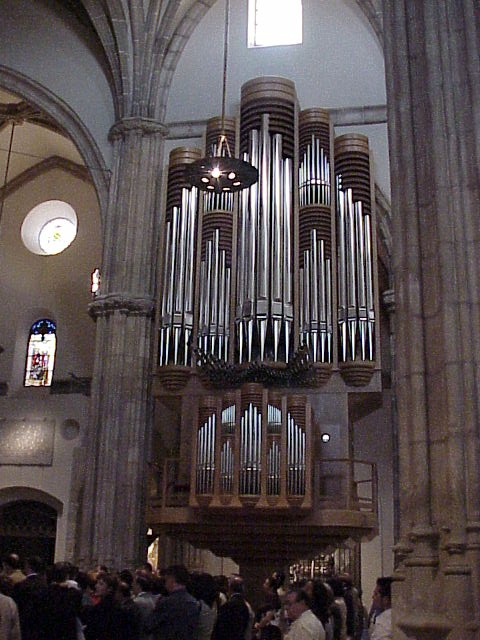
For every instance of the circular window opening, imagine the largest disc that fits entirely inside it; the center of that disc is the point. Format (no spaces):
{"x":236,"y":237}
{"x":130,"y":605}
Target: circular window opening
{"x":49,"y":228}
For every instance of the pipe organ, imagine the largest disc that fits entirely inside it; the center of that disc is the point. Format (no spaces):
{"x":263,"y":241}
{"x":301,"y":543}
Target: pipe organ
{"x":248,"y":279}
{"x":261,"y":451}
{"x":268,"y":289}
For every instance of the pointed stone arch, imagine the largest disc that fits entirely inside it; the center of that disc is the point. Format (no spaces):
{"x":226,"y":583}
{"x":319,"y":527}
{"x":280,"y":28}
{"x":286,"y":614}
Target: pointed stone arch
{"x":69,"y":122}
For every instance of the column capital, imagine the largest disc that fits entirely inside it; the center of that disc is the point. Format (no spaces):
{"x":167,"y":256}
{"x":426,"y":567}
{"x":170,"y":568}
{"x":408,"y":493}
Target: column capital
{"x":137,"y":124}
{"x":124,"y":303}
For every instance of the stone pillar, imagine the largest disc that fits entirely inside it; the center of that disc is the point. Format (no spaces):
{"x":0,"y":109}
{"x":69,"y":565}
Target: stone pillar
{"x":432,"y":56}
{"x":113,"y":528}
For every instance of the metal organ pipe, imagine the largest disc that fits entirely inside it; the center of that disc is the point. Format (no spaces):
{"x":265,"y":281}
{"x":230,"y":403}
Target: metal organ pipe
{"x":264,"y":308}
{"x":315,"y":232}
{"x":356,"y":314}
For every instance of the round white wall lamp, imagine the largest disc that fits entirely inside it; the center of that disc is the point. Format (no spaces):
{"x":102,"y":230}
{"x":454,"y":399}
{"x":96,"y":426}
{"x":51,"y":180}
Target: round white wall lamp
{"x":49,"y":228}
{"x":325,"y":437}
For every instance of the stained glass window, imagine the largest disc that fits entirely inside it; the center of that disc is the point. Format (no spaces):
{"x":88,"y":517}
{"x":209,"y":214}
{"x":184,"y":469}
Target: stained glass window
{"x":274,"y":22}
{"x":42,"y":343}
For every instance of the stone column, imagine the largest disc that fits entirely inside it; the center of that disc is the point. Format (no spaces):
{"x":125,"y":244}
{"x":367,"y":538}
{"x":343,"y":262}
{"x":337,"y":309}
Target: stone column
{"x":432,"y":56}
{"x":118,"y":443}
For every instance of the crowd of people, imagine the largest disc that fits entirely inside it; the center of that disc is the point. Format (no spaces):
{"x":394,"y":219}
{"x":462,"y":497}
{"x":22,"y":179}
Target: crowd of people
{"x":63,"y":603}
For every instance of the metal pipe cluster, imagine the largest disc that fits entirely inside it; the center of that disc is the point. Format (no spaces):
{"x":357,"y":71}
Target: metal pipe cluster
{"x":264,"y":312}
{"x":250,"y":451}
{"x":226,"y":467}
{"x":315,"y":308}
{"x":273,"y":469}
{"x":206,"y":456}
{"x":356,"y":315}
{"x":176,"y":322}
{"x":214,"y":313}
{"x":314,"y":176}
{"x":296,"y":441}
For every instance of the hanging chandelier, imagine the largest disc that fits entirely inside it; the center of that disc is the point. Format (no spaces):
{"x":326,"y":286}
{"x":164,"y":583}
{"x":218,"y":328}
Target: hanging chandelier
{"x":222,"y":173}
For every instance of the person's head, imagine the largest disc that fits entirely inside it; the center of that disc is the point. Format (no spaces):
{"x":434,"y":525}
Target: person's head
{"x":11,"y":562}
{"x":322,"y":599}
{"x":176,"y":577}
{"x":106,"y":585}
{"x":337,"y":587}
{"x":235,"y":585}
{"x":382,"y":594}
{"x":60,"y":572}
{"x":141,"y":583}
{"x":269,"y":584}
{"x":148,"y":567}
{"x":86,"y":582}
{"x":203,"y":587}
{"x":296,"y":603}
{"x":279,"y":576}
{"x":126,"y":576}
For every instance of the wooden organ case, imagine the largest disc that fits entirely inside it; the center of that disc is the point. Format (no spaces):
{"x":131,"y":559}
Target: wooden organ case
{"x":268,"y":337}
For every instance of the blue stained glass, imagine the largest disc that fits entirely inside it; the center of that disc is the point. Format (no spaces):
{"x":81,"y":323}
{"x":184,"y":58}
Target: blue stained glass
{"x":42,"y":343}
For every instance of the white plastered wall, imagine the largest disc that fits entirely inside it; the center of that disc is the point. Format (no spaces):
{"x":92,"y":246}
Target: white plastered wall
{"x":35,"y":286}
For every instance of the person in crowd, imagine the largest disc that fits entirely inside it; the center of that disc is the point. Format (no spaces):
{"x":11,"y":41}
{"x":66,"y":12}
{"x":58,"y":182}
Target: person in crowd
{"x":352,"y":602}
{"x":233,"y":619}
{"x":6,"y":586}
{"x":322,"y":600}
{"x":203,"y":588}
{"x":144,"y":599}
{"x":305,"y":624}
{"x":9,"y":620}
{"x":176,"y":616}
{"x":126,"y":575}
{"x":222,"y":588}
{"x":279,"y":578}
{"x":63,"y":605}
{"x":270,"y":607}
{"x":31,"y":598}
{"x":129,"y":618}
{"x":381,"y":627}
{"x":101,"y":620}
{"x":12,"y":568}
{"x":86,"y":584}
{"x":338,"y":609}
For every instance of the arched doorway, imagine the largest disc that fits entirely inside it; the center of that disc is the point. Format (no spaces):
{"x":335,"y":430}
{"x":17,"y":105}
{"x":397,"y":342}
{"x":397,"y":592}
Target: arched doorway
{"x":28,"y":527}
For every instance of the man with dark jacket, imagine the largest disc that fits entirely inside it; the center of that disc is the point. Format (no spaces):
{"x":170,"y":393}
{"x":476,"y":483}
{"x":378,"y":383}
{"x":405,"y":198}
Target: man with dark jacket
{"x":234,"y":616}
{"x":31,"y":598}
{"x":176,"y":616}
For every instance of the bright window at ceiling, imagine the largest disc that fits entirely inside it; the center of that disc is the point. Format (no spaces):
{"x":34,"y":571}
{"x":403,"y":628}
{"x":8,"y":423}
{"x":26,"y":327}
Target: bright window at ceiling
{"x":274,"y":22}
{"x":42,"y":343}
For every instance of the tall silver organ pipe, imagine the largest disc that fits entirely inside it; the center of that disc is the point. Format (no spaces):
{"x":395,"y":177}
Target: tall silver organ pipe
{"x":215,"y":271}
{"x":356,"y":316}
{"x":206,"y":455}
{"x":296,"y":443}
{"x":315,"y":272}
{"x":250,"y":450}
{"x":264,"y":310}
{"x":176,"y":321}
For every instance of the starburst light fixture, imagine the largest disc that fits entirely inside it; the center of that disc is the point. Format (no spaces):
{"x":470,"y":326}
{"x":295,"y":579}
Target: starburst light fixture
{"x":222,"y":173}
